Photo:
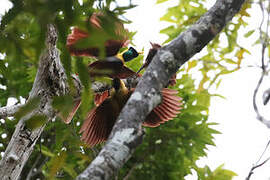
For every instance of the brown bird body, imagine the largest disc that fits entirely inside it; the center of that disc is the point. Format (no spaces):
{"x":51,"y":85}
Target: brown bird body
{"x":100,"y":120}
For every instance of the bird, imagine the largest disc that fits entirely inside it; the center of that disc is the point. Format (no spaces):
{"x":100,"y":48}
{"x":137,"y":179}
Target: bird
{"x":112,"y":67}
{"x":100,"y":120}
{"x":113,"y":64}
{"x":152,"y":52}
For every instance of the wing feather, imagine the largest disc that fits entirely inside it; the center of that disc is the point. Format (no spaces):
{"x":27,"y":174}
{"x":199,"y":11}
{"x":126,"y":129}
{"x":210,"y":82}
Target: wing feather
{"x":100,"y":97}
{"x":97,"y":126}
{"x":167,"y":110}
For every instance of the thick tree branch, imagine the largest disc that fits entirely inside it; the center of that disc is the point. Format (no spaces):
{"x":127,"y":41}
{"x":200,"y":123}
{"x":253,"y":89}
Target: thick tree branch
{"x":127,"y":132}
{"x":50,"y":81}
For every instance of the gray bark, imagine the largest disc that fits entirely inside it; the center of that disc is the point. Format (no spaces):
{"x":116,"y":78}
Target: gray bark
{"x":50,"y":81}
{"x":127,"y":133}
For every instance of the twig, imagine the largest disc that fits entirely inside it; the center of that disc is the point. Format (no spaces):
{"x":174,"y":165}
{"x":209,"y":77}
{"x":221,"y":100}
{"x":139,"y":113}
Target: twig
{"x":263,"y":67}
{"x":130,"y":172}
{"x":31,"y":172}
{"x":254,"y":167}
{"x":258,"y":165}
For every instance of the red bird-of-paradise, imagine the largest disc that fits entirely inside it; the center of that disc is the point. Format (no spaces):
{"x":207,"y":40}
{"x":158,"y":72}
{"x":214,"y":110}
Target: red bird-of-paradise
{"x":100,"y":120}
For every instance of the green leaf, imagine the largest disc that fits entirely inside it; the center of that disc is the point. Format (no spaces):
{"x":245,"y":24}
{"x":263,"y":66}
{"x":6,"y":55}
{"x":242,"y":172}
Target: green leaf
{"x":11,"y":14}
{"x":46,"y":151}
{"x":63,"y":104}
{"x":169,"y":30}
{"x":36,"y":121}
{"x":249,"y":33}
{"x":230,"y":61}
{"x":222,"y":174}
{"x":191,"y":64}
{"x":57,"y":163}
{"x":83,"y":72}
{"x":87,"y":102}
{"x":70,"y":170}
{"x":28,"y":107}
{"x":269,"y":51}
{"x":161,"y":1}
{"x":3,"y":69}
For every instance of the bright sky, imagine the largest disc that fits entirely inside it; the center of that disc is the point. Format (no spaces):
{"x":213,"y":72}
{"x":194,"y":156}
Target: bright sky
{"x":244,"y":138}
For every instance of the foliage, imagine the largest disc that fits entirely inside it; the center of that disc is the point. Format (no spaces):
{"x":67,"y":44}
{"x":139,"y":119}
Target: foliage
{"x":167,"y":152}
{"x":223,"y":55}
{"x":219,"y":173}
{"x":171,"y":150}
{"x":22,"y":35}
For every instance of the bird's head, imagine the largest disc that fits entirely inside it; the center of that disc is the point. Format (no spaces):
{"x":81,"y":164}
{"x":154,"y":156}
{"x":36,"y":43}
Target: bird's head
{"x":130,"y":54}
{"x":152,"y":52}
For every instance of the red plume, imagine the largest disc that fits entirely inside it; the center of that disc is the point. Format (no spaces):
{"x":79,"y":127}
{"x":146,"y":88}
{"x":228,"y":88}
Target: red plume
{"x":112,"y":46}
{"x":167,"y":110}
{"x":100,"y":120}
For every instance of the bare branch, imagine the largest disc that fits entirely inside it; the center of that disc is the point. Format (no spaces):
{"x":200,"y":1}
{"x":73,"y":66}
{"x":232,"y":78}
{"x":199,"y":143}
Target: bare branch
{"x":264,"y":42}
{"x":50,"y":81}
{"x":127,"y":132}
{"x":32,"y":173}
{"x":130,"y":172}
{"x":258,"y":165}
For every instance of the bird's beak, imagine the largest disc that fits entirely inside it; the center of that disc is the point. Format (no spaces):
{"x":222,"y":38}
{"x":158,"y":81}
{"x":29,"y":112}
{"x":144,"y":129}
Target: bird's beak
{"x":141,"y":68}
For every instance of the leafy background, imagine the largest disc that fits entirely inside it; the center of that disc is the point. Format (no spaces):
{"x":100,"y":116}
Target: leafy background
{"x":169,"y":151}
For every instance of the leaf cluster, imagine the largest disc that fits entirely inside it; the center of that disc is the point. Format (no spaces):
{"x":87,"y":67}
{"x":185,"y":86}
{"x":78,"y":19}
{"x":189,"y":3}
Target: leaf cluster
{"x":221,"y":56}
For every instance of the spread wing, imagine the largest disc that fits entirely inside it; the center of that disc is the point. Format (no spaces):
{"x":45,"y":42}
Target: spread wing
{"x":99,"y":122}
{"x":167,"y":110}
{"x":100,"y":97}
{"x":112,"y":46}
